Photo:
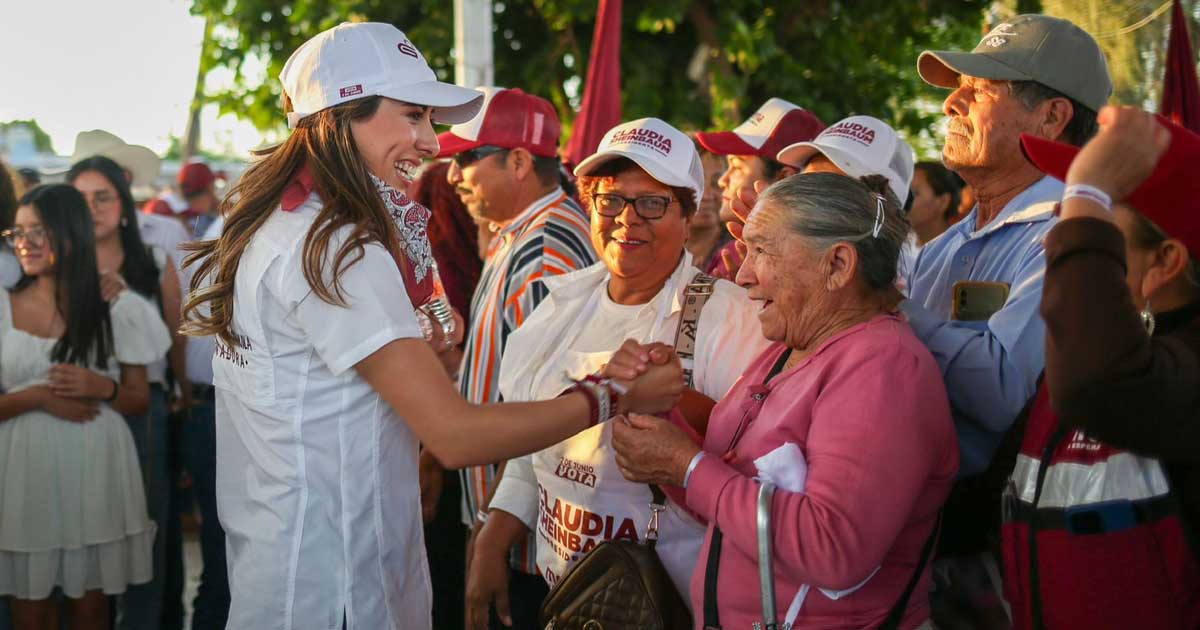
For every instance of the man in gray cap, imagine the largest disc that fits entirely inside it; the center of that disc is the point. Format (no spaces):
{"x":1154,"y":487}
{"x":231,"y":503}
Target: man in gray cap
{"x":1033,"y":74}
{"x":975,"y":290}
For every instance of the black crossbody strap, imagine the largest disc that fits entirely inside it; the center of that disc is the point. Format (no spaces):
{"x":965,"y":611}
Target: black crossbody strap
{"x":712,"y":618}
{"x":892,"y":622}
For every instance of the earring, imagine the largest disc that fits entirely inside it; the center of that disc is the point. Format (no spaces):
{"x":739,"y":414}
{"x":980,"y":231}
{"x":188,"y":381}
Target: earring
{"x":124,"y":221}
{"x":1147,"y":318}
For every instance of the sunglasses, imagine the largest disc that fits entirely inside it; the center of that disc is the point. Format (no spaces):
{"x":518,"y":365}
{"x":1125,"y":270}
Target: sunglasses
{"x":647,"y":207}
{"x":467,"y":158}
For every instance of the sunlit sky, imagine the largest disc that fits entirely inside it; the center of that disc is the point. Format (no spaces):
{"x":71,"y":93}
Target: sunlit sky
{"x":126,"y":66}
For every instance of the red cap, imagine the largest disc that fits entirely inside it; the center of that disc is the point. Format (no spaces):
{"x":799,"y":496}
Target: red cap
{"x":776,"y":125}
{"x":509,"y":118}
{"x":158,"y":205}
{"x":194,"y":178}
{"x":1170,"y":197}
{"x":170,"y":205}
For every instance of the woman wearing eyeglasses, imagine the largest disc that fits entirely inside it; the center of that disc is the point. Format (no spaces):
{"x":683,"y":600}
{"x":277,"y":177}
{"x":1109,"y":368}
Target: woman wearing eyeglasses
{"x":72,"y":511}
{"x":642,"y":188}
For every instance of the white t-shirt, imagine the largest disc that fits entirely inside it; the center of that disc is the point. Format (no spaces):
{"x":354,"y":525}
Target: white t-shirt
{"x":316,"y":474}
{"x":571,"y":494}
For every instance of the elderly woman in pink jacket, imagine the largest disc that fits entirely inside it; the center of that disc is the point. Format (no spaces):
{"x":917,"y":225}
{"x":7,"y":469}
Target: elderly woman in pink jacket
{"x":846,"y":413}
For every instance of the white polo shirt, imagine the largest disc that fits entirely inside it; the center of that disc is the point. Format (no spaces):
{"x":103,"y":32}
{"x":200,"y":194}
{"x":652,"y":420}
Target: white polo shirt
{"x":316,"y":475}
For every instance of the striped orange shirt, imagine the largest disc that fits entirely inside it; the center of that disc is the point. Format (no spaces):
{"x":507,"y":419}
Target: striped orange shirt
{"x":549,"y":238}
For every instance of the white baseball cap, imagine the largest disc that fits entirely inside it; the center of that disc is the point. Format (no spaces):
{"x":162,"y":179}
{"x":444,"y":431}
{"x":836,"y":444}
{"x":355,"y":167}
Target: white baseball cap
{"x":356,"y":60}
{"x":664,"y":152}
{"x":860,"y":146}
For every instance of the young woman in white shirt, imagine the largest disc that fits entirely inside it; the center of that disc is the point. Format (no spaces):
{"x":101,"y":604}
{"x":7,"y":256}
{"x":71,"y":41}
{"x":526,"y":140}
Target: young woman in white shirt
{"x":324,"y":382}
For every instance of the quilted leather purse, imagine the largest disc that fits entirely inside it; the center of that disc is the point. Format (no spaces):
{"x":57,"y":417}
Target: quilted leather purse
{"x":622,"y":584}
{"x":619,"y":585}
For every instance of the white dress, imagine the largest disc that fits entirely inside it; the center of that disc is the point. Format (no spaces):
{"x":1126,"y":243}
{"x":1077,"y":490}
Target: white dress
{"x":72,"y":505}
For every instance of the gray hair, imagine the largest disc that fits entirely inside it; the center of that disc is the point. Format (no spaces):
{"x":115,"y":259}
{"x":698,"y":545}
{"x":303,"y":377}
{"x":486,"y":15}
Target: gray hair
{"x":1082,"y":125}
{"x":828,"y":208}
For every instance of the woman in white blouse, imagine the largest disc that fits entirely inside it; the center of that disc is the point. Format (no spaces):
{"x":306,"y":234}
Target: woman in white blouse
{"x":324,"y":381}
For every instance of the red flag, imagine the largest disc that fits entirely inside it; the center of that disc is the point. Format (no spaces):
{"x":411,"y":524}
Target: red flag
{"x":601,"y":109}
{"x":1181,"y":91}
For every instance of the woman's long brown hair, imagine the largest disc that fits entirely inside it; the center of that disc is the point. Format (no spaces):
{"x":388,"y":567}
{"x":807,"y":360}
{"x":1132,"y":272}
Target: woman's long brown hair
{"x":324,"y":142}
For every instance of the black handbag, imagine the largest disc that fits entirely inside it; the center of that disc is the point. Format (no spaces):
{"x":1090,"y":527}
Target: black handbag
{"x":619,"y":585}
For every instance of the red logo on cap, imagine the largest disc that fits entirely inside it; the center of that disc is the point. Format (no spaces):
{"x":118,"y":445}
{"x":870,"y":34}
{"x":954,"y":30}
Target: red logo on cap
{"x":645,"y":137}
{"x":353,"y":90}
{"x":407,"y":48}
{"x":854,"y":131}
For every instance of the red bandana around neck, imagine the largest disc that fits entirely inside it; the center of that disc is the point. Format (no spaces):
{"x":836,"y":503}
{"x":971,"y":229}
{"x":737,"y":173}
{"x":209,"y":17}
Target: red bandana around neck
{"x":411,"y":220}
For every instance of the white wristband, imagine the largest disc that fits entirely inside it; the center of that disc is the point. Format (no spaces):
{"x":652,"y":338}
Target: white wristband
{"x":1089,"y":192}
{"x":692,"y":467}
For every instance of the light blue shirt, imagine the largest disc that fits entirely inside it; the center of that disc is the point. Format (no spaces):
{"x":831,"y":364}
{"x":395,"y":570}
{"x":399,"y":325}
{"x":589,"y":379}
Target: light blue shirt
{"x":991,"y":367}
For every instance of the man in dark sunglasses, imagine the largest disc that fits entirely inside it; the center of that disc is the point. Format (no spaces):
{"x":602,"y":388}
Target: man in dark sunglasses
{"x":505,"y":168}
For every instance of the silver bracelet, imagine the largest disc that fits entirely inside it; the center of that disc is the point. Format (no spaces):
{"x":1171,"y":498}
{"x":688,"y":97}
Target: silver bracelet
{"x":481,"y":516}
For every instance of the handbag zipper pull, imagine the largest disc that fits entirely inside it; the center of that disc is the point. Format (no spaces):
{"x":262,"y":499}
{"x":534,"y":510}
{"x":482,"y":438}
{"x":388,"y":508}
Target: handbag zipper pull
{"x":652,"y":526}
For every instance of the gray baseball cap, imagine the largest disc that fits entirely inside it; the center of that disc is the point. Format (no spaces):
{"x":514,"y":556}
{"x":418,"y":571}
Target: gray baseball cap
{"x":1048,"y":50}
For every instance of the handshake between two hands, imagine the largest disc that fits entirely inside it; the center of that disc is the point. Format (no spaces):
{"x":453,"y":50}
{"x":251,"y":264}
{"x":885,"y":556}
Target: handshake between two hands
{"x":649,"y":377}
{"x":649,"y":449}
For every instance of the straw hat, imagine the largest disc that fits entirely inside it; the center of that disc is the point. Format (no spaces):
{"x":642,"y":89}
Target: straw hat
{"x":142,"y":163}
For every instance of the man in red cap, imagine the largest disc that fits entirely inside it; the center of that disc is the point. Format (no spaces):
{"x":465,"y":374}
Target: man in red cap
{"x":506,"y":171}
{"x":197,"y":184}
{"x":751,"y":151}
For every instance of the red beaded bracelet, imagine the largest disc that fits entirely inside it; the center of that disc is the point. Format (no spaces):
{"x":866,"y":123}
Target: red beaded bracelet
{"x":592,"y":400}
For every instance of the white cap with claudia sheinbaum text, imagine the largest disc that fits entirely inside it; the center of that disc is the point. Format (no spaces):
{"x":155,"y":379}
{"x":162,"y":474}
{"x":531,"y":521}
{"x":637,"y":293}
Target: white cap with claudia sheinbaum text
{"x":860,"y":146}
{"x":664,"y":152}
{"x":356,"y":60}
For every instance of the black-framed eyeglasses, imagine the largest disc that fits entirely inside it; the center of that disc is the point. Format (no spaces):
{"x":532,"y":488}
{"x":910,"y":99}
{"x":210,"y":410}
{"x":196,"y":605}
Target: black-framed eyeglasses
{"x":647,"y":206}
{"x":36,"y":237}
{"x":467,"y":158}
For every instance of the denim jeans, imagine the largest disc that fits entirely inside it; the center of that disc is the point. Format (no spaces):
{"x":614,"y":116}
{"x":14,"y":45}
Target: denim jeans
{"x":211,"y":606}
{"x":140,"y":607}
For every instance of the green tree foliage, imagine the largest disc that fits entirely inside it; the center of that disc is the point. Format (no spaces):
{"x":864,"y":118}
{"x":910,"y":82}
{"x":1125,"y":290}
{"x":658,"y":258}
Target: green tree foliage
{"x":699,"y":64}
{"x":1134,"y":45}
{"x":41,"y":139}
